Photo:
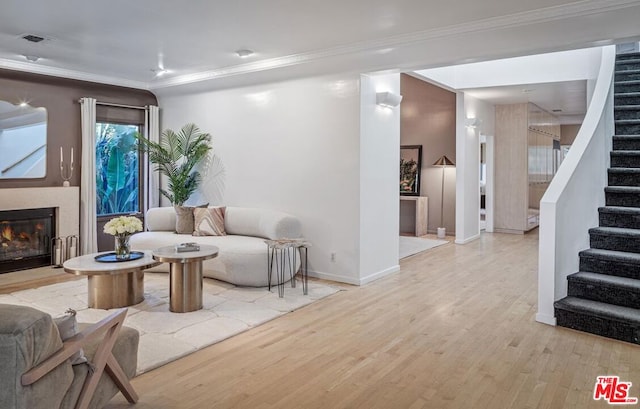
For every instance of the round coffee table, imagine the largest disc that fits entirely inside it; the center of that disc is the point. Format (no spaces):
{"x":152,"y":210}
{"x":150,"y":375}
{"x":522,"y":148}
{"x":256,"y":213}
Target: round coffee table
{"x":185,"y":275}
{"x":112,"y":285}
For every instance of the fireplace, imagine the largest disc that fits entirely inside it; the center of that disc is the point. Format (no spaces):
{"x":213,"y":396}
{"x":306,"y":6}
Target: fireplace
{"x":25,"y":238}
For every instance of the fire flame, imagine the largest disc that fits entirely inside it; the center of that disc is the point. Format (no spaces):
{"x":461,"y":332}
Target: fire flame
{"x":24,"y":236}
{"x":7,"y":233}
{"x":39,"y":226}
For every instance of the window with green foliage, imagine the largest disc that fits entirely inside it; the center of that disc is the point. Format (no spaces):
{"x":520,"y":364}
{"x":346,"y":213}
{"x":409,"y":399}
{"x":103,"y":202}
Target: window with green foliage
{"x":117,"y":169}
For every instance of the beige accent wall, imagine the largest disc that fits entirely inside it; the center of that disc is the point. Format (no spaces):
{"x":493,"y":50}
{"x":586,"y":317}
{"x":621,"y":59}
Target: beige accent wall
{"x":428,"y":118}
{"x":60,"y":97}
{"x":568,"y":134}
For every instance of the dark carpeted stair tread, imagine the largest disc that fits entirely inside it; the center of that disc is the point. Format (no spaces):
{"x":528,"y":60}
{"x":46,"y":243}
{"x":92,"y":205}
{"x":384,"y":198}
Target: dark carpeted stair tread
{"x":627,"y":121}
{"x":619,"y":209}
{"x":626,"y":142}
{"x":616,"y":232}
{"x":626,"y":82}
{"x":631,"y":171}
{"x":627,"y":94}
{"x":600,"y":310}
{"x":623,"y":291}
{"x":631,"y":55}
{"x":626,"y":153}
{"x":605,"y":279}
{"x":612,"y":255}
{"x":628,"y":107}
{"x":622,"y":189}
{"x":627,"y":60}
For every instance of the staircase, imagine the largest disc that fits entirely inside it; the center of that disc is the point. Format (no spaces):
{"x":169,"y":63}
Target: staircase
{"x":604,"y":296}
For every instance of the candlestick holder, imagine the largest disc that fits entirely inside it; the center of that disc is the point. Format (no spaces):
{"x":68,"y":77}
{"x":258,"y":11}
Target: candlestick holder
{"x":66,"y":170}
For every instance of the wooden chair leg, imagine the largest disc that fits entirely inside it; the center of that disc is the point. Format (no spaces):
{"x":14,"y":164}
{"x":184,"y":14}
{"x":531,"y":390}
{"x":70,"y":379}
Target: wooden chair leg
{"x":120,"y":379}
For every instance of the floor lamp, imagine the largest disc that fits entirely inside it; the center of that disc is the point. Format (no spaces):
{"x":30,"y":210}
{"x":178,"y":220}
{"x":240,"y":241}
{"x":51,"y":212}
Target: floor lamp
{"x":443,"y":161}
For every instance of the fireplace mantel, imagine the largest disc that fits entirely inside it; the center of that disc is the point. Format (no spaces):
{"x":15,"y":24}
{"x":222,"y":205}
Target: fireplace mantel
{"x":66,"y":199}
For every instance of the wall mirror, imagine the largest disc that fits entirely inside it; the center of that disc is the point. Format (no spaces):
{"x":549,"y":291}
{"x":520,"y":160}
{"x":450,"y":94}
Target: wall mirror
{"x":23,"y":141}
{"x":410,"y":165}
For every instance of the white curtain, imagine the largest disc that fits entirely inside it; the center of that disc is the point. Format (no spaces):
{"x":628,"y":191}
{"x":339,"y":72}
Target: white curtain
{"x":88,"y":219}
{"x":152,"y":129}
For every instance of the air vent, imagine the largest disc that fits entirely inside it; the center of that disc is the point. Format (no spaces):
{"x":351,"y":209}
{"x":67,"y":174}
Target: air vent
{"x":556,"y":110}
{"x":33,"y":38}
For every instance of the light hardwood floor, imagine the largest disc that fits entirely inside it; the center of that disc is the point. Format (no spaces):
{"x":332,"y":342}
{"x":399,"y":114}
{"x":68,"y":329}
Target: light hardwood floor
{"x":453,"y":329}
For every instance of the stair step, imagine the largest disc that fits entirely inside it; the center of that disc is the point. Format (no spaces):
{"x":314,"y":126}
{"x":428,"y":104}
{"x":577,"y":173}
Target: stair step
{"x":628,"y":56}
{"x":625,"y":196}
{"x":626,"y":98}
{"x":612,"y":321}
{"x":629,"y":121}
{"x":615,"y":238}
{"x":615,"y":263}
{"x":605,"y":288}
{"x":615,"y":216}
{"x":623,"y":176}
{"x":627,"y":86}
{"x":625,"y":159}
{"x":627,"y":129}
{"x":626,"y":142}
{"x":623,"y":61}
{"x":630,"y":113}
{"x":627,"y":75}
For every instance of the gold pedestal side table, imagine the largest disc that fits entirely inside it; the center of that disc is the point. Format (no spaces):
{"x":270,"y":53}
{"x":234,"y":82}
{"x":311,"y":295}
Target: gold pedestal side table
{"x":185,"y":275}
{"x":112,"y":285}
{"x":283,"y":252}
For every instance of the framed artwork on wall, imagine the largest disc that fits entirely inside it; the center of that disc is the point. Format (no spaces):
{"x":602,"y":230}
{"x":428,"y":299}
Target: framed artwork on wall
{"x":410,"y":165}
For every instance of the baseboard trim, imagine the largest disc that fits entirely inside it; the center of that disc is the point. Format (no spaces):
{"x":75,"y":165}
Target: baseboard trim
{"x":546,"y":319}
{"x":468,"y":240}
{"x":353,"y":280}
{"x":334,"y":277}
{"x":379,"y":274}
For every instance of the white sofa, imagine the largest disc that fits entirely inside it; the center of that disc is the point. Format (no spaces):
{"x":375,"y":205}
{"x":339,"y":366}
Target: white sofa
{"x":242,"y":259}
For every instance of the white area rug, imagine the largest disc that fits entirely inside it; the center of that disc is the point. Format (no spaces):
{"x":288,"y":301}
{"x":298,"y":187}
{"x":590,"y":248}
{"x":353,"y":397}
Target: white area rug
{"x":412,"y":245}
{"x":166,"y":336}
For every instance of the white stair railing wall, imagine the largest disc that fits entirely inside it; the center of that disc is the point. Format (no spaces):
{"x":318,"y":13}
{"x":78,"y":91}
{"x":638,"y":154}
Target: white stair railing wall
{"x":570,"y":205}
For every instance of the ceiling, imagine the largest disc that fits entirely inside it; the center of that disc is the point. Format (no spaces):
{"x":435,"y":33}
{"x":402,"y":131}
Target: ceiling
{"x":569,"y":97}
{"x":121,"y":41}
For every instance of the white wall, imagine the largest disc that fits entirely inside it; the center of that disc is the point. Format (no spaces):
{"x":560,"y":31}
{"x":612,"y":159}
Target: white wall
{"x":540,"y":68}
{"x":468,"y":165}
{"x":318,"y":148}
{"x":379,"y":197}
{"x":583,"y":174}
{"x":292,"y":146}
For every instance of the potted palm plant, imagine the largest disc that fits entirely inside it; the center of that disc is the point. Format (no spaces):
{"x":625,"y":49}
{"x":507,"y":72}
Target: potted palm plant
{"x":176,"y":156}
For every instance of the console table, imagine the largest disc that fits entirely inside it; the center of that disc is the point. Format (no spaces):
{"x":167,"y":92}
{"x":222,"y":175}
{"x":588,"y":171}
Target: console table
{"x":421,"y":204}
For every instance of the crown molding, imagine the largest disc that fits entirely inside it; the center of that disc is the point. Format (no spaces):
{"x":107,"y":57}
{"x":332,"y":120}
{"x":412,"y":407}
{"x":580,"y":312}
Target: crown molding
{"x":35,"y":68}
{"x":553,"y":13}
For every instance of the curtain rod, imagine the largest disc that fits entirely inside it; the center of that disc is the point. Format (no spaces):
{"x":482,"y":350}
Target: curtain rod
{"x":110,"y":104}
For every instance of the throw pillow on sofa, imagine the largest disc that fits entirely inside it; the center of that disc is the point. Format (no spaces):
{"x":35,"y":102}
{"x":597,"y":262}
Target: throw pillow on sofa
{"x":184,"y":218}
{"x":209,"y":221}
{"x":68,"y":327}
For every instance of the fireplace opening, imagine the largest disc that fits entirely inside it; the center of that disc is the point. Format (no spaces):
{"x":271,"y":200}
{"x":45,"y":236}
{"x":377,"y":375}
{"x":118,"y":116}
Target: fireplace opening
{"x":25,"y":238}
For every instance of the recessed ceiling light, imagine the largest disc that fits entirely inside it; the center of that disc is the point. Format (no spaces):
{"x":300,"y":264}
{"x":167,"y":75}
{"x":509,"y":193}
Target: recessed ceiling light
{"x":244,"y":53}
{"x":32,"y":58}
{"x":34,"y":38}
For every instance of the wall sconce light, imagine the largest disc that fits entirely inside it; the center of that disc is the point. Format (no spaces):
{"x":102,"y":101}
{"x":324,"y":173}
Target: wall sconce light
{"x":472,"y":122}
{"x":388,"y":99}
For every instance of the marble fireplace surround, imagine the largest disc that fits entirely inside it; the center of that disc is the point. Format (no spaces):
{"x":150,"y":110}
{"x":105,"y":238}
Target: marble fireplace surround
{"x":66,"y":200}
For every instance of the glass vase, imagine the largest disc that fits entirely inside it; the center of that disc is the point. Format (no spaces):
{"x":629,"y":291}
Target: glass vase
{"x":123,"y":248}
